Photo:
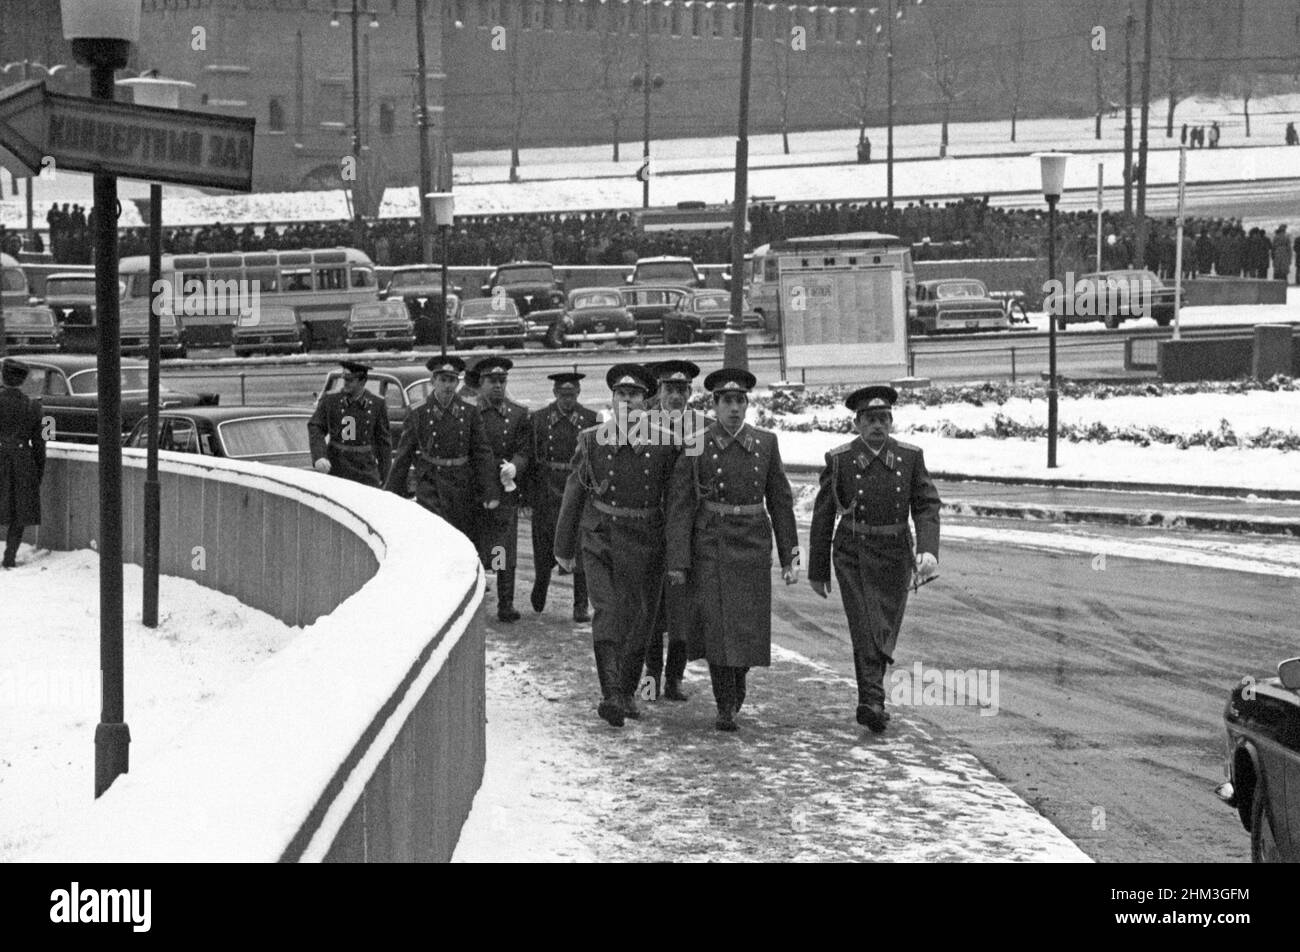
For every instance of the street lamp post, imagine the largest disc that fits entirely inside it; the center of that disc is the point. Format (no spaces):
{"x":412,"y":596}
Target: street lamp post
{"x":102,"y":33}
{"x":358,"y":224}
{"x":444,"y":213}
{"x":647,"y":84}
{"x":422,"y":103}
{"x":1052,"y":167}
{"x":889,"y":105}
{"x":735,"y":352}
{"x":163,"y":94}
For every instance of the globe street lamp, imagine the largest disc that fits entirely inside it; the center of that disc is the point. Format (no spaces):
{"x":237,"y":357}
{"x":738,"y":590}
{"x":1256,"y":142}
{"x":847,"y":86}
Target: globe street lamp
{"x":358,"y":226}
{"x":444,"y":213}
{"x":102,"y":33}
{"x":1052,"y":168}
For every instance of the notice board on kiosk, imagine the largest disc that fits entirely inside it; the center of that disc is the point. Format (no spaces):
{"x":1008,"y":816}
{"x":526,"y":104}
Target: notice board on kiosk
{"x":844,"y":318}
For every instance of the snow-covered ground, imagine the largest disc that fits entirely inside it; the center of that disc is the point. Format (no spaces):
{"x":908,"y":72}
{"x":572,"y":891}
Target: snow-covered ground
{"x":206,"y":643}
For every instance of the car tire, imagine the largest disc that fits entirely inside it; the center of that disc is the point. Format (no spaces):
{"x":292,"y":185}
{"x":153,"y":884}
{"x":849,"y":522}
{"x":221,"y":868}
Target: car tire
{"x":1263,"y":840}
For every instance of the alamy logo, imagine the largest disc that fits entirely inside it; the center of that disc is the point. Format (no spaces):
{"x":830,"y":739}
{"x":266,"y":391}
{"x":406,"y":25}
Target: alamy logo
{"x":682,"y":428}
{"x":213,"y":298}
{"x":1089,"y":296}
{"x":938,"y":687}
{"x":103,"y":905}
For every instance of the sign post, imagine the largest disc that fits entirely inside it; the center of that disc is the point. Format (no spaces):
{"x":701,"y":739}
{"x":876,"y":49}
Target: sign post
{"x":1178,"y":253}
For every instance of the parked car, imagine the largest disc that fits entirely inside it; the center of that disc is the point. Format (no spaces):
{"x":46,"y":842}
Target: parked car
{"x":703,"y":315}
{"x":273,"y":435}
{"x":133,"y":332}
{"x":1113,"y":297}
{"x":595,"y":315}
{"x":956,"y":304}
{"x":667,"y":269}
{"x":267,"y":330}
{"x":68,"y":388}
{"x":71,"y":296}
{"x":31,"y":330}
{"x":419,"y":287}
{"x":493,"y":321}
{"x":650,"y":305}
{"x":1263,"y":767}
{"x":384,"y":324}
{"x":402,"y":388}
{"x":532,"y":285}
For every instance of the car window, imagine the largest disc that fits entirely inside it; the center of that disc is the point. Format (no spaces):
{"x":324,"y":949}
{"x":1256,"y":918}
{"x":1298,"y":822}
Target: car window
{"x":297,"y":279}
{"x":713,"y":302}
{"x":56,"y":385}
{"x":374,"y":384}
{"x":259,"y":436}
{"x":87,"y":381}
{"x":179,"y":435}
{"x":393,"y":395}
{"x":413,"y":279}
{"x":362,"y":277}
{"x":525,"y":276}
{"x":419,"y":391}
{"x":597,"y":299}
{"x":34,"y":385}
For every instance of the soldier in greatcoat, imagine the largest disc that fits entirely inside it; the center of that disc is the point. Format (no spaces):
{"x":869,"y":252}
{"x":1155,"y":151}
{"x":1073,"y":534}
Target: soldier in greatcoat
{"x":872,"y":484}
{"x":509,"y":435}
{"x":613,"y":512}
{"x":555,"y":432}
{"x":455,"y":472}
{"x":725,"y":505}
{"x":677,"y":613}
{"x":349,"y":431}
{"x":22,"y":458}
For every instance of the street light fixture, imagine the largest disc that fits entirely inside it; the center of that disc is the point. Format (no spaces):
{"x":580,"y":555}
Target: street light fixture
{"x":1052,"y":168}
{"x":444,"y":213}
{"x":644,"y":83}
{"x":102,"y":33}
{"x":358,"y":225}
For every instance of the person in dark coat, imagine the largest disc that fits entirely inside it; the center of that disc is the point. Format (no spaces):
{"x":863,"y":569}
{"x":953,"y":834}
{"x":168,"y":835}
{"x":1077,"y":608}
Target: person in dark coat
{"x":555,"y":437}
{"x":1281,"y":254}
{"x":725,"y":504}
{"x":1295,"y":248}
{"x":349,"y":431}
{"x":443,"y":438}
{"x":1204,"y":252}
{"x":871,"y":484}
{"x":509,"y":435}
{"x":613,"y":512}
{"x":22,"y":458}
{"x":677,"y":614}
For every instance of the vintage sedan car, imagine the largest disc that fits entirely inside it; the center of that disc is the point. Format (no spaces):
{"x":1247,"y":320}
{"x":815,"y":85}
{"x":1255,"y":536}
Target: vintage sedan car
{"x":273,"y":435}
{"x":595,"y":315}
{"x":666,"y":269}
{"x":703,"y":315}
{"x":1263,"y":766}
{"x":68,"y":388}
{"x":402,"y":388}
{"x":532,"y":285}
{"x":1113,"y":297}
{"x":71,"y":296}
{"x":267,"y":330}
{"x":491,"y":322}
{"x":31,"y":330}
{"x":650,"y":305}
{"x":379,"y":326}
{"x":948,"y":305}
{"x":419,"y":287}
{"x":133,"y":332}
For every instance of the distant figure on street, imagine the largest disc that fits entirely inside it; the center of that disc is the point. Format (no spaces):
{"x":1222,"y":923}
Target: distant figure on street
{"x":1214,"y":135}
{"x":1281,"y":254}
{"x":1296,"y":257}
{"x":349,"y":431}
{"x":1292,"y":138}
{"x":864,"y":150}
{"x":22,"y":458}
{"x":1184,"y":140}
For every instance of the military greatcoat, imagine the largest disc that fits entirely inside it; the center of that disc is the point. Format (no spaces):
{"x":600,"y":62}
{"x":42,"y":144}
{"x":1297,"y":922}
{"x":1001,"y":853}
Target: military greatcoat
{"x":725,"y":505}
{"x":555,"y":438}
{"x":508,"y":429}
{"x":353,"y":435}
{"x":22,"y":458}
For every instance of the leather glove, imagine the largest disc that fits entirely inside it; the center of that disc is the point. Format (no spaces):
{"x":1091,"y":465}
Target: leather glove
{"x":676,"y":577}
{"x":492,"y":504}
{"x":508,"y":476}
{"x":926,"y":565}
{"x":322,"y":465}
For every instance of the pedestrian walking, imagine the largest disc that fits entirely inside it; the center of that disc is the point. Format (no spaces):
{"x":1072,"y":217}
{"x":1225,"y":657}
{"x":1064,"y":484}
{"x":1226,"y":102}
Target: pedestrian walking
{"x":455,"y":472}
{"x":725,"y":504}
{"x":1281,"y":254}
{"x":349,"y":432}
{"x":508,"y":431}
{"x":555,"y":438}
{"x":22,"y":458}
{"x":613,"y":513}
{"x":872,"y":484}
{"x":1214,"y":135}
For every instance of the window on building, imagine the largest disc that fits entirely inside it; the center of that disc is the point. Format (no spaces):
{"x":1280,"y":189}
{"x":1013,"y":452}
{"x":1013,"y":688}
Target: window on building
{"x":330,"y":103}
{"x":675,"y":19}
{"x":275,"y":116}
{"x":387,"y":118}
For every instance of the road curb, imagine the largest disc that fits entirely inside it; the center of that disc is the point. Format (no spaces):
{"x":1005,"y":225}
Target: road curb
{"x":1139,"y":518}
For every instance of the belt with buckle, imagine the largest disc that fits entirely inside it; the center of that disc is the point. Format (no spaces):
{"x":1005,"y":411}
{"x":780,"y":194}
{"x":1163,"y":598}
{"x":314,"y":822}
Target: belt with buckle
{"x":894,"y":530}
{"x":625,"y":512}
{"x":751,"y":509}
{"x":457,"y":461}
{"x":343,"y":448}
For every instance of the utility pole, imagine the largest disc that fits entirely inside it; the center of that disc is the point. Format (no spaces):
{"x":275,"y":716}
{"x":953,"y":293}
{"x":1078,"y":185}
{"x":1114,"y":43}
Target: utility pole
{"x":1141,"y":244}
{"x":645,"y":122}
{"x":889,"y":104}
{"x":422,"y":129}
{"x":1129,"y":25}
{"x":735,"y":347}
{"x":358,"y":227}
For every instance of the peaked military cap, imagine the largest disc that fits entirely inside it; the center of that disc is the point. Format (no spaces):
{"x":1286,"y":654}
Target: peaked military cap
{"x":13,"y":371}
{"x":493,"y":365}
{"x":352,"y":367}
{"x":730,"y":380}
{"x":877,"y":397}
{"x":675,"y":370}
{"x":446,"y":364}
{"x":564,"y":378}
{"x":630,"y":375}
{"x":471,"y":378}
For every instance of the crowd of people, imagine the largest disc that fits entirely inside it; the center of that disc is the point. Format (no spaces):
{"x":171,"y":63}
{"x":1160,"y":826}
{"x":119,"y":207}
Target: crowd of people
{"x":964,"y":228}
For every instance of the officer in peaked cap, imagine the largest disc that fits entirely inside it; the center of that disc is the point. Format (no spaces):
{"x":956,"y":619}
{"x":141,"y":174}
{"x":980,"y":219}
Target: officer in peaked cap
{"x":469,"y":389}
{"x":455,"y":474}
{"x":349,"y":431}
{"x":613,"y":514}
{"x":868,"y":489}
{"x":726,"y":503}
{"x":22,"y":458}
{"x":555,"y":432}
{"x":509,"y":434}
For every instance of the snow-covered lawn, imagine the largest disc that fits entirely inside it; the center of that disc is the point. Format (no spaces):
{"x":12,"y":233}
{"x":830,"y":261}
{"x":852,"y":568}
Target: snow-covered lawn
{"x":205,"y":644}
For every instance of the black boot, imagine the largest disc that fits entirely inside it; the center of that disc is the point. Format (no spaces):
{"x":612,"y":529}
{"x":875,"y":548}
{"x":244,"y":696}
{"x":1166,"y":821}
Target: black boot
{"x":580,"y":613}
{"x":740,"y":687}
{"x":871,"y":711}
{"x":13,"y":539}
{"x":506,"y":596}
{"x":675,"y":668}
{"x":541,"y":584}
{"x":631,"y":683}
{"x":724,"y":693}
{"x":611,"y":707}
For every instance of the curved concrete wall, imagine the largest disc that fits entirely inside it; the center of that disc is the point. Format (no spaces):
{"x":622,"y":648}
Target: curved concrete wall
{"x":364,"y":738}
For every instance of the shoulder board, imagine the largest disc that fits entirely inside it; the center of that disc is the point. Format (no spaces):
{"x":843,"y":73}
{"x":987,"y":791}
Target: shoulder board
{"x":842,"y":448}
{"x":907,"y":446}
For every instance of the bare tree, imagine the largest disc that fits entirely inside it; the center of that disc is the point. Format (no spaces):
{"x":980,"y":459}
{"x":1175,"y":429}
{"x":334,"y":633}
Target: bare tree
{"x":1172,"y":34}
{"x":1244,"y":84}
{"x":612,"y":49}
{"x":858,"y":104}
{"x":782,"y":74}
{"x":946,"y":57}
{"x":525,"y":69}
{"x":1013,"y":62}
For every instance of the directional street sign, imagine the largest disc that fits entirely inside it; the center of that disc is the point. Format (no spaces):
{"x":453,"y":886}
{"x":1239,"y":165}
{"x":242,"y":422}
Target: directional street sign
{"x":129,"y":141}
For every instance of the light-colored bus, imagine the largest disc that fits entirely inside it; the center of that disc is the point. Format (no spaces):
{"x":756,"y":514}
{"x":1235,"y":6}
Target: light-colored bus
{"x":321,"y":285}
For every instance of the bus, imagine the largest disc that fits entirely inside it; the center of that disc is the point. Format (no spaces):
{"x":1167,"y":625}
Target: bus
{"x":207,"y":291}
{"x":836,"y":300}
